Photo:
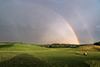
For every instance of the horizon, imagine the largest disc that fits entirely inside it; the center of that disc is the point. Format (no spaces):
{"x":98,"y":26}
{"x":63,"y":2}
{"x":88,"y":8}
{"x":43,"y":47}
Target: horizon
{"x":51,"y":43}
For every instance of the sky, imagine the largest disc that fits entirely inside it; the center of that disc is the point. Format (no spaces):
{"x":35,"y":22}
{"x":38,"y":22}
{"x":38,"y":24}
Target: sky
{"x":50,"y":21}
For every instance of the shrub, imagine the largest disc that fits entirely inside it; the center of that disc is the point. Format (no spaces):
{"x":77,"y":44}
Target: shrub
{"x":97,"y":43}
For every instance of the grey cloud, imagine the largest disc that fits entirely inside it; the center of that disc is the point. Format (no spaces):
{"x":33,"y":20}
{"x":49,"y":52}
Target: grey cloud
{"x":32,"y":20}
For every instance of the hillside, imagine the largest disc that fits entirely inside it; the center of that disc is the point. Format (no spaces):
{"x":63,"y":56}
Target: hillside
{"x":90,"y":48}
{"x":19,"y":47}
{"x":25,"y":55}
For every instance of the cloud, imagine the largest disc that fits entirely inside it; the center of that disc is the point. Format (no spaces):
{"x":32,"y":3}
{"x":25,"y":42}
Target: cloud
{"x":36,"y":21}
{"x":98,"y":27}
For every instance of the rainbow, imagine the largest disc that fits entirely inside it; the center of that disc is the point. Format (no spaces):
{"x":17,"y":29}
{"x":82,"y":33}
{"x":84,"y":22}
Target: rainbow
{"x":75,"y":38}
{"x":83,"y":21}
{"x":72,"y":30}
{"x":74,"y":33}
{"x":70,"y":27}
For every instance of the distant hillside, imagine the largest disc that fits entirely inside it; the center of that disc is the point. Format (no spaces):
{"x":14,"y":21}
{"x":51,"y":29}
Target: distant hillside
{"x":30,"y":46}
{"x":20,"y":47}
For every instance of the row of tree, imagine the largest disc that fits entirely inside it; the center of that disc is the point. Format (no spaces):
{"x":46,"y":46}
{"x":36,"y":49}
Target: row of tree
{"x":57,"y":45}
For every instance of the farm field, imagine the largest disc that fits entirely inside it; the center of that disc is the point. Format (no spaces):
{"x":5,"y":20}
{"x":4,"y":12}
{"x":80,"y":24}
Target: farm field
{"x":25,"y":55}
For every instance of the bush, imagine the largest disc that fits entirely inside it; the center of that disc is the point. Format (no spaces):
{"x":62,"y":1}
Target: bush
{"x":97,"y":43}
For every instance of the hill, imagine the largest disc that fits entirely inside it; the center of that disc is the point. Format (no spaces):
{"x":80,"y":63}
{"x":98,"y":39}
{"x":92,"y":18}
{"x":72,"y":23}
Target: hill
{"x":90,"y":48}
{"x":19,"y":47}
{"x":25,"y":55}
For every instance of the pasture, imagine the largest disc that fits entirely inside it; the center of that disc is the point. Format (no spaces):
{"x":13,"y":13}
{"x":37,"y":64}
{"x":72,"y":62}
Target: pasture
{"x":25,"y":55}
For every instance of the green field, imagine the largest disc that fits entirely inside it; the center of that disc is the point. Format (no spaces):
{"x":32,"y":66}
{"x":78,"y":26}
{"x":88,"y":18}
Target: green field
{"x":25,"y":55}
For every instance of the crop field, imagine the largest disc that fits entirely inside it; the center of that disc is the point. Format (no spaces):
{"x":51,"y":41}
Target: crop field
{"x":25,"y":55}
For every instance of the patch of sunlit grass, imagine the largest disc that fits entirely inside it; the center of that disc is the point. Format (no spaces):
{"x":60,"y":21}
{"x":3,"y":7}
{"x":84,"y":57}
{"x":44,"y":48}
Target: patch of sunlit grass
{"x":90,"y":48}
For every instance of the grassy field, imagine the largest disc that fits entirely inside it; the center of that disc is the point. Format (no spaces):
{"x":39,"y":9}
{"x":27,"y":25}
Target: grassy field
{"x":25,"y":55}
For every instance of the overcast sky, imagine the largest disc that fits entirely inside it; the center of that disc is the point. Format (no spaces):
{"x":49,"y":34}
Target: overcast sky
{"x":50,"y":21}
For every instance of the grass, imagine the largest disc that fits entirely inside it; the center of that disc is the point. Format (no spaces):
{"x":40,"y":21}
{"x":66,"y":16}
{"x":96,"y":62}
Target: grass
{"x":19,"y":47}
{"x":90,"y":48}
{"x":24,"y":55}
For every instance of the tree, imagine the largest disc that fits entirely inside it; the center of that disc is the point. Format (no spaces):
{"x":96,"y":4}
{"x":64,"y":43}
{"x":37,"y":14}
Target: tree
{"x":97,"y":43}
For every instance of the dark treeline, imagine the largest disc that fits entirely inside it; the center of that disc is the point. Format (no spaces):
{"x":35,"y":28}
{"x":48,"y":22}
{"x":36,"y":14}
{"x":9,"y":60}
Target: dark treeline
{"x":56,"y":45}
{"x":97,"y":43}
